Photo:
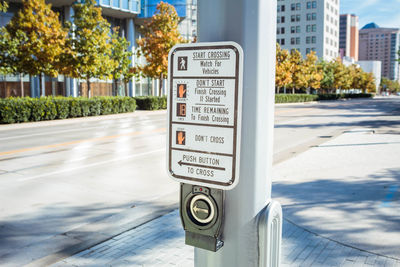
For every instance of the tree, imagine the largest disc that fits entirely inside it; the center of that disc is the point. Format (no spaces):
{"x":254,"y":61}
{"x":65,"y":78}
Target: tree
{"x":389,"y":85}
{"x":122,"y":58}
{"x":312,"y":74}
{"x":40,"y":39}
{"x":3,"y":6}
{"x":327,"y":74}
{"x":341,"y":74}
{"x":298,"y":79}
{"x":160,"y":34}
{"x":89,"y":45}
{"x":283,"y":76}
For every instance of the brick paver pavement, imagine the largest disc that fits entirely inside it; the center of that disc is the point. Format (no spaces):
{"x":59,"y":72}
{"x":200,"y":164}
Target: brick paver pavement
{"x":161,"y":243}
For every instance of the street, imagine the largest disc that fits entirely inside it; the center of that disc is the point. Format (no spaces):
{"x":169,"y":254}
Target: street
{"x":60,"y":176}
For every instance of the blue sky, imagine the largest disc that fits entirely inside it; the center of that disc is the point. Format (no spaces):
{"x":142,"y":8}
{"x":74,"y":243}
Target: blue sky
{"x":385,"y":13}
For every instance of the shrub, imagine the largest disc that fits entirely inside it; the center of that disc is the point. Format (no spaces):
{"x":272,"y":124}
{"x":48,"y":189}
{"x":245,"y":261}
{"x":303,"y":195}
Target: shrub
{"x":75,"y":109}
{"x":295,"y":98}
{"x":151,"y":102}
{"x":62,"y":106}
{"x":24,"y":109}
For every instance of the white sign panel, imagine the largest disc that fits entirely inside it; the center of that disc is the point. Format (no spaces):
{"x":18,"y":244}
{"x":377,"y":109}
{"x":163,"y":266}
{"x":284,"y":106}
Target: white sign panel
{"x":204,"y":113}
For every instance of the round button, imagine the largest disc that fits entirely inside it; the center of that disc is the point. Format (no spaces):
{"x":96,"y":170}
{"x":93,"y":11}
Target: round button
{"x":202,"y":209}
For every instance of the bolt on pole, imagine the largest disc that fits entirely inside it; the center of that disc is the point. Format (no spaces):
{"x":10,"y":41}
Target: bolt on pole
{"x":252,"y":24}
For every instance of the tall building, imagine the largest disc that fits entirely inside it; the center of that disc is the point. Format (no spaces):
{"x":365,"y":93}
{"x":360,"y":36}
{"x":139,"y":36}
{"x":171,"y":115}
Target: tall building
{"x":128,"y":15}
{"x":348,"y":37}
{"x":381,"y":44}
{"x":309,"y":26}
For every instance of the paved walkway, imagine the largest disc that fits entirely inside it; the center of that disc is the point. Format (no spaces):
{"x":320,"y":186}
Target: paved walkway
{"x":161,"y":243}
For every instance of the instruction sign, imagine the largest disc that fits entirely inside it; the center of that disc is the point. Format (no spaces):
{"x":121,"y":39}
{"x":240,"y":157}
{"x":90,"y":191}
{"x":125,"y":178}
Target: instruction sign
{"x":204,"y":113}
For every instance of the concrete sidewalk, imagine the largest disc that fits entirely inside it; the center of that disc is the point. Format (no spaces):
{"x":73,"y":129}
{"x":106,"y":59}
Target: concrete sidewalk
{"x":341,"y":205}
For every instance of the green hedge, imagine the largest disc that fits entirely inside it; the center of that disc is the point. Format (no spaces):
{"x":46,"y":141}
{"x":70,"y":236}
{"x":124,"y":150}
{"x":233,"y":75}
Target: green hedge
{"x":25,"y":109}
{"x":151,"y":102}
{"x":295,"y":98}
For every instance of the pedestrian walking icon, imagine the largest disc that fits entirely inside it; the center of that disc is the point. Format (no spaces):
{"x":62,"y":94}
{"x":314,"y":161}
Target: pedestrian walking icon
{"x":182,"y":63}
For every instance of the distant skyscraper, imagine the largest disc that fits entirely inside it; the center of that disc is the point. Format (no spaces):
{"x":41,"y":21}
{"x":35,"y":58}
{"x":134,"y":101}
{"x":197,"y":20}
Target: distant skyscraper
{"x":348,"y":38}
{"x":309,"y":26}
{"x":381,"y":44}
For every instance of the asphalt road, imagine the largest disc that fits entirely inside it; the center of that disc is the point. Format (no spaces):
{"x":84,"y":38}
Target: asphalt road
{"x":58,"y":176}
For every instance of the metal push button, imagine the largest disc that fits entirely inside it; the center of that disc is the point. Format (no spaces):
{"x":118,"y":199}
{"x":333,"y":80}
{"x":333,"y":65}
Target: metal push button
{"x":202,"y":209}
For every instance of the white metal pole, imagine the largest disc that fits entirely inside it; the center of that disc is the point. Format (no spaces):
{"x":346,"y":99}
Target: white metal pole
{"x":252,"y":24}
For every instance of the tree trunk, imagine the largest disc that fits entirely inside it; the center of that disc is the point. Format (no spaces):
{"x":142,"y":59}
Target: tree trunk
{"x":284,"y":89}
{"x":42,"y":85}
{"x":88,"y":86}
{"x":53,"y":87}
{"x":21,"y":78}
{"x":161,"y":85}
{"x":308,"y":90}
{"x":126,"y":88}
{"x":293,"y":90}
{"x":115,"y":91}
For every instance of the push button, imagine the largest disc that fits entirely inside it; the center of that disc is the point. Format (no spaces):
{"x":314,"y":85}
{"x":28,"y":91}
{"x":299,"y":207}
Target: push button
{"x":202,"y":209}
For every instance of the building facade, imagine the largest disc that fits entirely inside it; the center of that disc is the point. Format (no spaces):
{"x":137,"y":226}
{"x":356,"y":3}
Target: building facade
{"x":348,"y":37}
{"x":381,"y":44}
{"x":128,"y":15}
{"x":309,"y":26}
{"x":374,"y":67}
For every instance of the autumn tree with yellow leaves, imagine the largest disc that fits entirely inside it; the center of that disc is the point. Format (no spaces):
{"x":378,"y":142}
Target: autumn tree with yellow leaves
{"x":283,"y":76}
{"x":159,"y":35}
{"x":89,"y":45}
{"x":39,"y":37}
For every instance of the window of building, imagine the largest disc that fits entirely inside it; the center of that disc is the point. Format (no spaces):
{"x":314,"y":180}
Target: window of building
{"x":327,"y":40}
{"x":308,"y":50}
{"x":297,"y":17}
{"x":293,"y":7}
{"x":309,"y":5}
{"x":283,"y":19}
{"x":292,"y":40}
{"x":283,"y":30}
{"x":327,"y":28}
{"x":293,"y":29}
{"x":308,"y":39}
{"x":314,"y":28}
{"x":308,"y":17}
{"x":327,"y":52}
{"x":298,"y":6}
{"x":327,"y":5}
{"x":308,"y":28}
{"x":293,"y":18}
{"x":314,"y":16}
{"x":283,"y":8}
{"x":283,"y":41}
{"x":327,"y":17}
{"x":313,"y":39}
{"x":314,"y":4}
{"x":297,"y":40}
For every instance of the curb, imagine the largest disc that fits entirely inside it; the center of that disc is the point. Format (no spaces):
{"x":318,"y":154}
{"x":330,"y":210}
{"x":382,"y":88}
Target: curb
{"x":24,"y":125}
